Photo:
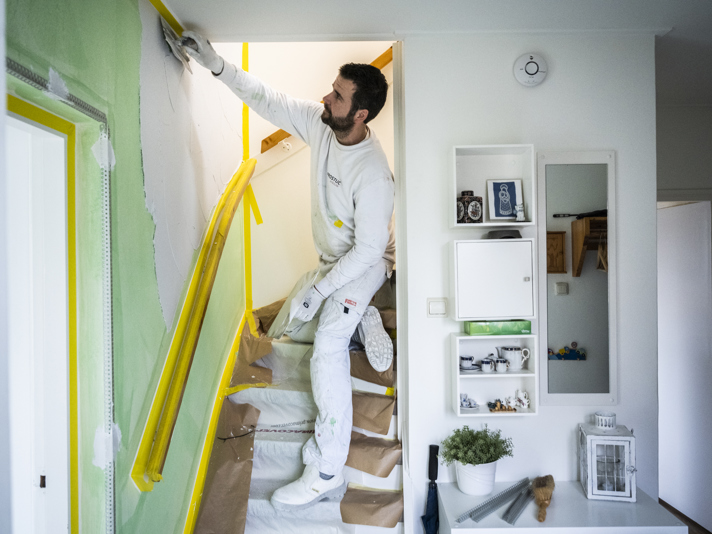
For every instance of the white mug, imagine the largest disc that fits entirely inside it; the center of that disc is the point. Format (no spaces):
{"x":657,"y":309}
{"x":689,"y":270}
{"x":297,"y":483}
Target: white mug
{"x":502,"y":365}
{"x":487,"y":365}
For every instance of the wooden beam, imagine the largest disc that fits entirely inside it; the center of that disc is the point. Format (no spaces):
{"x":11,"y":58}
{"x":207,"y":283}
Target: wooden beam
{"x":273,"y":140}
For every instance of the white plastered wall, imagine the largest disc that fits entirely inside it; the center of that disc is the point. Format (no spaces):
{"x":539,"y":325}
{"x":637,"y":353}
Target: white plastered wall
{"x":599,"y":95}
{"x":5,"y":500}
{"x":282,"y":247}
{"x":191,"y":134}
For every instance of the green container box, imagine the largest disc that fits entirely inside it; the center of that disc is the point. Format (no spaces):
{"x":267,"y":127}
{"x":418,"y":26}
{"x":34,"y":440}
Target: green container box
{"x":497,"y":328}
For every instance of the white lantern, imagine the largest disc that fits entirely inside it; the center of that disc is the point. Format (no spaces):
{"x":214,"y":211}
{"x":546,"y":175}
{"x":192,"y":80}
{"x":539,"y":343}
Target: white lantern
{"x":607,"y":462}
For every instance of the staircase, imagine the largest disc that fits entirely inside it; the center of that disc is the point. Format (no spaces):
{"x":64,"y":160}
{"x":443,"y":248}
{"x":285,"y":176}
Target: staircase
{"x":286,"y":422}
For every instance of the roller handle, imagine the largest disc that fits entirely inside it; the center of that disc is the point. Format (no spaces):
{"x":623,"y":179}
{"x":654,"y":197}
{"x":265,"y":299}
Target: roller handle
{"x":433,"y":464}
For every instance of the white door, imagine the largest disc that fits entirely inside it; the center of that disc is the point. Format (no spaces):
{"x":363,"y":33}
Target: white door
{"x":38,"y":328}
{"x":685,"y":358}
{"x":494,"y":279}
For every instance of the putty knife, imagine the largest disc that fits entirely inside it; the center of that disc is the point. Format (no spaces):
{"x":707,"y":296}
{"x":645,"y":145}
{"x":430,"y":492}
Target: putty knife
{"x":176,"y":44}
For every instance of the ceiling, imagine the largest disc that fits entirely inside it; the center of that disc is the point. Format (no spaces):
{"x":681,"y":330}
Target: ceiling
{"x":683,"y":27}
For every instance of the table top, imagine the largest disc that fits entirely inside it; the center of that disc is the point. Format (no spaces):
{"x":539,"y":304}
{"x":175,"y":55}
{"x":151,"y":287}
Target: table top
{"x":570,"y":511}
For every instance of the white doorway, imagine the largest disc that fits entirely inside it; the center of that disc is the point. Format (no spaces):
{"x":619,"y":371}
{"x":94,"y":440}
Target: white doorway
{"x":38,"y":327}
{"x":685,"y":357}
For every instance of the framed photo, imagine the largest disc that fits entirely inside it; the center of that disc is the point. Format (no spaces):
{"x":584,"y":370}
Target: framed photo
{"x":504,"y":195}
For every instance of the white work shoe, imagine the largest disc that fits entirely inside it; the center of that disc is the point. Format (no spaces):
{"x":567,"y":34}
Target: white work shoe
{"x":378,"y":344}
{"x":308,"y":490}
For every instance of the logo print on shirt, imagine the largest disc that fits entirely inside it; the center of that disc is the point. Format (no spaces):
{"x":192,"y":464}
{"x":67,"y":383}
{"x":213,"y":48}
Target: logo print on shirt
{"x":348,"y":301}
{"x":333,"y":179}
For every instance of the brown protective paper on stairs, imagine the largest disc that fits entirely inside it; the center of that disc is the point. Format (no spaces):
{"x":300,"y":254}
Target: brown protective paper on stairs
{"x":223,"y":506}
{"x":360,"y":368}
{"x":267,"y":314}
{"x":375,"y":456}
{"x":251,"y":349}
{"x":388,"y":318}
{"x":377,"y":508}
{"x":373,"y":411}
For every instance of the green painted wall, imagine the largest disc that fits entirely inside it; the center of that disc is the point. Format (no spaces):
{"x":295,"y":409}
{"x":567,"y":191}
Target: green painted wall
{"x":95,"y":47}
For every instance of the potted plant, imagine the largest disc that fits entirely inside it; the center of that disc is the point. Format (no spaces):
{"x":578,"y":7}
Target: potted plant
{"x":475,"y":453}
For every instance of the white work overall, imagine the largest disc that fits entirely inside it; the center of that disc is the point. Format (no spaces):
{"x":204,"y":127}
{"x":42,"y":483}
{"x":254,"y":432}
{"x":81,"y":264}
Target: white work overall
{"x":352,"y":195}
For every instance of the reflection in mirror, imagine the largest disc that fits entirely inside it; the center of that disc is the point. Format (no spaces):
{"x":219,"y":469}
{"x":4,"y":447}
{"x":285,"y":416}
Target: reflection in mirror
{"x":577,"y":278}
{"x":577,"y":282}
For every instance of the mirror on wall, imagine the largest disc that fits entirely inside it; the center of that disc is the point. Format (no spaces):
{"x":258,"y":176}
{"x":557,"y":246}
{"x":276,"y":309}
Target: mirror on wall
{"x":577,"y":278}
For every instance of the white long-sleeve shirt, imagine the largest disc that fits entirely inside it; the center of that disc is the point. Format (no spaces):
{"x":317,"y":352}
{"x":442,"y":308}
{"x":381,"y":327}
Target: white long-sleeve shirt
{"x":352,"y":188}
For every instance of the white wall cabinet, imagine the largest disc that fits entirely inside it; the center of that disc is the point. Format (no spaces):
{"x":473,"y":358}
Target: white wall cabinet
{"x":487,"y":387}
{"x":493,"y":279}
{"x":476,"y":165}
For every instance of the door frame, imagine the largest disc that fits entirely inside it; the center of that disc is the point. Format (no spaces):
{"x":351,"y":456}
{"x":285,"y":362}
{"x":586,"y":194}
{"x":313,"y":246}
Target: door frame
{"x":48,"y":120}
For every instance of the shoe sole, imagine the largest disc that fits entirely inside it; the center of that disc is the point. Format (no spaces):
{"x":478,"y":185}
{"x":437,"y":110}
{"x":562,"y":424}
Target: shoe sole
{"x":332,"y":495}
{"x":378,"y":344}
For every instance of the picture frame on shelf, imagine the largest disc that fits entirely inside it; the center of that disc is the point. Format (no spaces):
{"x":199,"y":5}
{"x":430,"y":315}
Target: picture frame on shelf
{"x":503,"y":196}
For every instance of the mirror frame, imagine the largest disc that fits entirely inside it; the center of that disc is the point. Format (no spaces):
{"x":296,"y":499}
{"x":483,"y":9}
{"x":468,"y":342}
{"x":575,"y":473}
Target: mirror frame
{"x":578,"y":399}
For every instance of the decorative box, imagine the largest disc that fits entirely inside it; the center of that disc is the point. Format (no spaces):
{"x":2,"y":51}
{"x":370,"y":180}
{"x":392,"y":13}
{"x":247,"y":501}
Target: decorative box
{"x":607,"y":462}
{"x":492,"y":328}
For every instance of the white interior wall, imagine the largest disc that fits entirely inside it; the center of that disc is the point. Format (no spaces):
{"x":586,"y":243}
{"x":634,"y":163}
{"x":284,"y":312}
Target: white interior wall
{"x":685,"y":348}
{"x":5,"y":496}
{"x":191,"y":134}
{"x":282,"y":247}
{"x":582,"y":315}
{"x":599,"y":94}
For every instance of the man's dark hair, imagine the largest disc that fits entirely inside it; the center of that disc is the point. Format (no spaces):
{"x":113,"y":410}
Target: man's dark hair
{"x":371,"y":88}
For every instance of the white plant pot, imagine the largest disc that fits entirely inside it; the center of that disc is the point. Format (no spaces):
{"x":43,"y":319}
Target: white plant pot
{"x":476,"y":479}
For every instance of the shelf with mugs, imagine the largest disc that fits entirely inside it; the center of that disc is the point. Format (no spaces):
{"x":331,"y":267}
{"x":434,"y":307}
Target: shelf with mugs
{"x":513,"y":378}
{"x":491,"y":185}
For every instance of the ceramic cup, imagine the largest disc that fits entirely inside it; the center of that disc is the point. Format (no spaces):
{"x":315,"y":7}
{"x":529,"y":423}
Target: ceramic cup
{"x":501,"y":365}
{"x":487,"y":365}
{"x":466,"y":362}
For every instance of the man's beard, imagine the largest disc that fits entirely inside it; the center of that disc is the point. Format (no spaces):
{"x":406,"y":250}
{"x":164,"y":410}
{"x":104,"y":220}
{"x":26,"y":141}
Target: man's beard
{"x":339,"y":125}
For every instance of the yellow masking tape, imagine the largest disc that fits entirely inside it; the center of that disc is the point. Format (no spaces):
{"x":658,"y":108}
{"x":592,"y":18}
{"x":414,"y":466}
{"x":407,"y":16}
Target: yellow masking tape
{"x":245,"y":109}
{"x":168,"y":16}
{"x":210,"y":436}
{"x":390,"y":392}
{"x":252,"y":323}
{"x":250,"y":196}
{"x":338,"y":223}
{"x":242,"y":387}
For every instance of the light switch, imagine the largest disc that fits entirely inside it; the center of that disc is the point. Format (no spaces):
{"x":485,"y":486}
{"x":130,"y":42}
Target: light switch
{"x":437,"y":307}
{"x":561,"y":288}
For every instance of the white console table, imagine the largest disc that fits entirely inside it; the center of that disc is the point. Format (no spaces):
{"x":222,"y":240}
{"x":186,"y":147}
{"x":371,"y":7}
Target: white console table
{"x":570,"y":512}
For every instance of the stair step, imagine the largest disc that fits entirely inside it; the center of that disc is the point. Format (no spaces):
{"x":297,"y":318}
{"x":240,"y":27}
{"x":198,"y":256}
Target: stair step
{"x":322,"y":518}
{"x":279,"y":407}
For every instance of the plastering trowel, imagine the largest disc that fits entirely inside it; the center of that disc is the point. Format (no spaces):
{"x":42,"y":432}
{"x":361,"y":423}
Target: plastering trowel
{"x":177,"y":44}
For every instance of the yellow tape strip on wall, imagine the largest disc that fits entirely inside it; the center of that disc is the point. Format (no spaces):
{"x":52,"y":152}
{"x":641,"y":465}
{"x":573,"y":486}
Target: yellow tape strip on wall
{"x":249,"y":202}
{"x":49,"y":120}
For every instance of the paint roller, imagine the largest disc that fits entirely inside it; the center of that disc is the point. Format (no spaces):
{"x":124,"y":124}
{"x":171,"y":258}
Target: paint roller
{"x":178,"y":44}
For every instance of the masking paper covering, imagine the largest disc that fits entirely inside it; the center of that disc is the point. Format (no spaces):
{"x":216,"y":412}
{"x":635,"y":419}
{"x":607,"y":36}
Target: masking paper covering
{"x":375,"y":456}
{"x":227,"y":484}
{"x":373,"y":411}
{"x":377,"y":508}
{"x":363,"y":370}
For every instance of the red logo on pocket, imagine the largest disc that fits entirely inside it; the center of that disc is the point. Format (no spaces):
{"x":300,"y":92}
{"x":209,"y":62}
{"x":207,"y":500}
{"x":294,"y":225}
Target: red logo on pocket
{"x":350,"y":302}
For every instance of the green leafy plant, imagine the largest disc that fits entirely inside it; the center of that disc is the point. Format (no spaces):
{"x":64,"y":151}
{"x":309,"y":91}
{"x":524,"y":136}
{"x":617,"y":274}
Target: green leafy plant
{"x":475,"y":447}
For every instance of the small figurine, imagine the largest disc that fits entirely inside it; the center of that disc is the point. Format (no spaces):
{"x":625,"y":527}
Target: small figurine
{"x":510,"y":402}
{"x":467,"y":402}
{"x":520,"y":212}
{"x":522,"y":399}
